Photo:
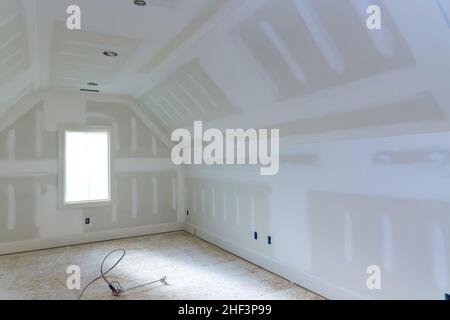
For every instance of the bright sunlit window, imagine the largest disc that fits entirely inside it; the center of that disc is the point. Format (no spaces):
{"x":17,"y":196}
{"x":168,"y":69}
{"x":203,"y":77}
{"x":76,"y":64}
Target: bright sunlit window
{"x":85,"y":166}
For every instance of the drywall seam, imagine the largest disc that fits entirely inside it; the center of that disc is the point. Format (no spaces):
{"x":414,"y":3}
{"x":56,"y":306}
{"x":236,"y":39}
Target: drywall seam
{"x":143,"y":164}
{"x":155,"y":195}
{"x":39,"y":244}
{"x":11,"y":145}
{"x":33,"y":168}
{"x":30,"y":10}
{"x":11,"y":207}
{"x":27,"y":168}
{"x":134,"y":135}
{"x":300,"y":277}
{"x":134,"y":198}
{"x":181,"y":193}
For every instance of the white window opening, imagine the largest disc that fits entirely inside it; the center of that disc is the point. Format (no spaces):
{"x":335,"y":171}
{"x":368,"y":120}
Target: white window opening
{"x":85,"y":166}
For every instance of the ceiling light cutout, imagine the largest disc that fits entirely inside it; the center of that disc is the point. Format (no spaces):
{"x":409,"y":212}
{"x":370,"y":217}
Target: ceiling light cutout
{"x":140,"y":3}
{"x":111,"y":54}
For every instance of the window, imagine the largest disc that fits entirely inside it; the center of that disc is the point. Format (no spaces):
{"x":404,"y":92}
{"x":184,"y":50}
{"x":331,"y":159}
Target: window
{"x":84,"y":175}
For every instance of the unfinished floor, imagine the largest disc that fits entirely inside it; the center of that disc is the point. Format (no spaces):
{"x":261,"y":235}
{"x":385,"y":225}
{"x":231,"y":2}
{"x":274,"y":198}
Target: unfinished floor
{"x":195,"y":269}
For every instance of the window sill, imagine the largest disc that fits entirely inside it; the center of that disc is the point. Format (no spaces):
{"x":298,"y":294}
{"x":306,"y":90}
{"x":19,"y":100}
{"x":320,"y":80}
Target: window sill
{"x":87,"y":204}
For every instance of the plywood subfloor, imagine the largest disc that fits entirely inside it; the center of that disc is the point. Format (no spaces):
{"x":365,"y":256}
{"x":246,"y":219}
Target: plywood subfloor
{"x":195,"y":270}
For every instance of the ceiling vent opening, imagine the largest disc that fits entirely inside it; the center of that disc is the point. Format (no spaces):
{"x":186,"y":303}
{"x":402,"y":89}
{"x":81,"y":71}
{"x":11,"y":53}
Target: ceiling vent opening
{"x":140,"y":3}
{"x":90,"y":90}
{"x":111,"y":54}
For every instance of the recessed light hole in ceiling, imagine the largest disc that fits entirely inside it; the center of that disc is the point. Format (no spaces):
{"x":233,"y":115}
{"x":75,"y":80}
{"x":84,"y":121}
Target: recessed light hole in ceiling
{"x":111,"y":54}
{"x":140,"y":3}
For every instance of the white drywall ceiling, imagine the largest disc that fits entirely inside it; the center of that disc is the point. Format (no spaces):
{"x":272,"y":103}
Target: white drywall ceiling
{"x":37,"y":51}
{"x":311,"y":68}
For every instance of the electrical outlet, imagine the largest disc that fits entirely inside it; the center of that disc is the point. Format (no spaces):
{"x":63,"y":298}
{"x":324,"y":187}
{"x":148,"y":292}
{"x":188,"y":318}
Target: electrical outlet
{"x":87,"y":221}
{"x":269,"y":240}
{"x":255,"y":235}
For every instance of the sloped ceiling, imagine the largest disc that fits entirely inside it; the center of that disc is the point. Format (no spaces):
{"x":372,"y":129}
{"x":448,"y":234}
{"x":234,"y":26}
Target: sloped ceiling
{"x":14,"y":55}
{"x":309,"y":67}
{"x":16,"y":68}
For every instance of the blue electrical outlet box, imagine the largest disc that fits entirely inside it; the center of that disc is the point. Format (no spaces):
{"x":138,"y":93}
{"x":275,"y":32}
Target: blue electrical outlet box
{"x":447,"y":296}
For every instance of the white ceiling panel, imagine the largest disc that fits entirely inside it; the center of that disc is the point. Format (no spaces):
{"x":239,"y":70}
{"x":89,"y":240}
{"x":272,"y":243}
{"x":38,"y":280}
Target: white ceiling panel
{"x":77,"y":57}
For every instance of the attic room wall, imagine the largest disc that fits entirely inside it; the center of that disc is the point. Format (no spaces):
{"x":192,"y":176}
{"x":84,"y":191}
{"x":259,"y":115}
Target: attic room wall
{"x":363,"y":178}
{"x":144,"y":182}
{"x":333,"y":210}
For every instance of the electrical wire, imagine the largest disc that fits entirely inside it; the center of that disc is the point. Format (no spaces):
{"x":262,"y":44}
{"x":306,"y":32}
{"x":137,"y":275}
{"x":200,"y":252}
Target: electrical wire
{"x":115,"y":286}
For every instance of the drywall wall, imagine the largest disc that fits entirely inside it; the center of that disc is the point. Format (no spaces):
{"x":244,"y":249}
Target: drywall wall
{"x":364,"y":126}
{"x":333,"y":210}
{"x":144,"y":181}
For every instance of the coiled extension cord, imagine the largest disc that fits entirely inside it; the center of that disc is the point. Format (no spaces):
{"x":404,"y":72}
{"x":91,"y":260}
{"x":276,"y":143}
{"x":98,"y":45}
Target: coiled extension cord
{"x":115,"y":286}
